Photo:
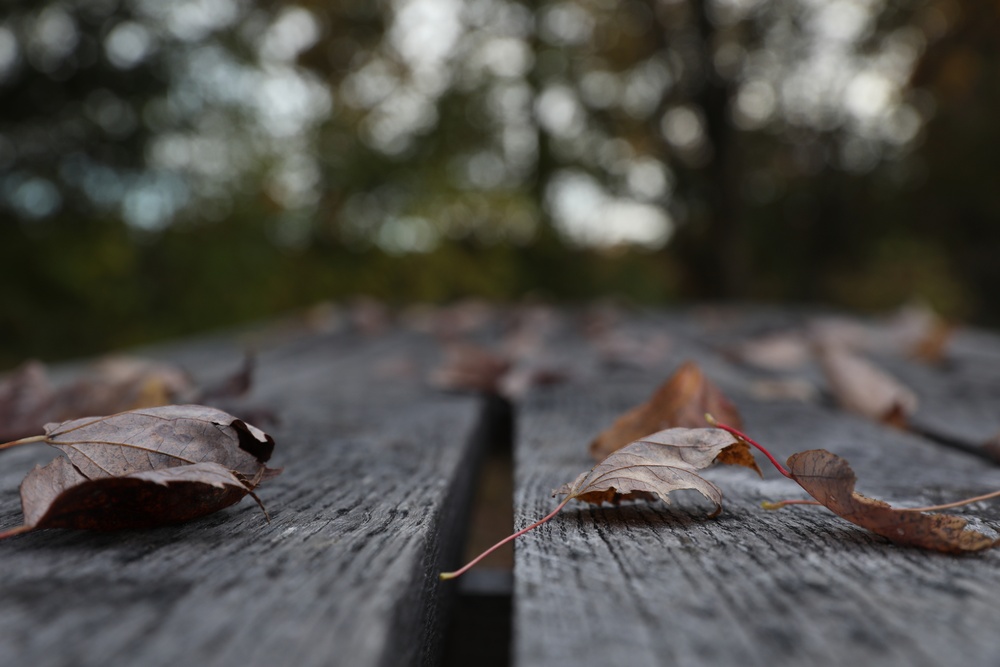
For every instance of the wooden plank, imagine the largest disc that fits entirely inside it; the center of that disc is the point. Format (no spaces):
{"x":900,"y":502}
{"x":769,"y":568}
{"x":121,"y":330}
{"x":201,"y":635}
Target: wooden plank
{"x":958,"y":395}
{"x":647,"y":584}
{"x":367,"y":512}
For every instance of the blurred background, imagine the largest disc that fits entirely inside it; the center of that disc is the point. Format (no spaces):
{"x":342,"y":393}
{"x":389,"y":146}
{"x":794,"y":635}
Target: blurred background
{"x":170,"y":167}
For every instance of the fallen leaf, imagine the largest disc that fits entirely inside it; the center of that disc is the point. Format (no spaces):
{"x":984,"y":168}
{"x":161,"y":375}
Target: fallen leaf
{"x":625,"y":348}
{"x":782,"y":351}
{"x":469,"y":367}
{"x":830,"y":480}
{"x":117,"y":384}
{"x":522,"y":378}
{"x":681,"y":401}
{"x":228,"y":388}
{"x":914,"y":330}
{"x":59,"y":496}
{"x":451,"y":323}
{"x":111,"y":385}
{"x":144,"y":468}
{"x":370,"y":317}
{"x":26,"y":397}
{"x":784,"y":389}
{"x":647,"y":469}
{"x":658,"y":464}
{"x":860,"y":387}
{"x":932,"y":347}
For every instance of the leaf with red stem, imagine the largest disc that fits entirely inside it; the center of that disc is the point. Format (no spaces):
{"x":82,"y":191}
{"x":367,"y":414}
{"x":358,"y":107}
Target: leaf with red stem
{"x":830,"y":480}
{"x":647,"y":469}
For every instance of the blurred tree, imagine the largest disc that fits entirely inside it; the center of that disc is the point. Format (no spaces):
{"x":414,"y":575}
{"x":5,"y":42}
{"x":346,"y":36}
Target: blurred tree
{"x":171,"y":166}
{"x":635,"y":121}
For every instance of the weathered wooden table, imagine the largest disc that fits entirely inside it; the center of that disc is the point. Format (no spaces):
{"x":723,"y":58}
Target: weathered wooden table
{"x":380,"y":473}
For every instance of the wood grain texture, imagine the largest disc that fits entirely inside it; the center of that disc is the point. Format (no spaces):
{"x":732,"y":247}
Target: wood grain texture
{"x":650,"y":584}
{"x":365,"y":515}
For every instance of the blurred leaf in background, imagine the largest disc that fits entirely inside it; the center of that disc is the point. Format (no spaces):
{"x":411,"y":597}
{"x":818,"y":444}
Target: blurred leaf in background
{"x":170,"y":167}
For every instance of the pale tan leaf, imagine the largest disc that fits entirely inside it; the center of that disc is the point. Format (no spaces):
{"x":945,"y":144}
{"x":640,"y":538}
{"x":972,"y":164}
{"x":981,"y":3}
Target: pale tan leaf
{"x":658,"y":464}
{"x":784,"y":351}
{"x":861,"y":387}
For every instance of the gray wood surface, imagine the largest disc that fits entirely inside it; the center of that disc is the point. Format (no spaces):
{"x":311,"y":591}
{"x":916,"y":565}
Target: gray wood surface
{"x":650,"y":584}
{"x":377,"y":482}
{"x":367,"y":512}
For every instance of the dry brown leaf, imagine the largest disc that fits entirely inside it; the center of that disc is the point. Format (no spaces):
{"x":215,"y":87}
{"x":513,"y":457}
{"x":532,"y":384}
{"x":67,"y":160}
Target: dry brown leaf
{"x":59,"y":496}
{"x":784,"y":389}
{"x":681,"y":401}
{"x":111,"y":385}
{"x":914,"y":330}
{"x":144,"y":468}
{"x":632,"y":349}
{"x":647,"y":469}
{"x":116,"y":384}
{"x":860,"y":387}
{"x":26,"y":398}
{"x":658,"y":464}
{"x":830,"y":480}
{"x":932,"y":347}
{"x":469,"y":367}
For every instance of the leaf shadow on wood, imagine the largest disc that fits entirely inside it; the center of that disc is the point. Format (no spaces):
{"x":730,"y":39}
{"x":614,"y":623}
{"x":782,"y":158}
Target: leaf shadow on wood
{"x":642,"y":516}
{"x":202,"y":533}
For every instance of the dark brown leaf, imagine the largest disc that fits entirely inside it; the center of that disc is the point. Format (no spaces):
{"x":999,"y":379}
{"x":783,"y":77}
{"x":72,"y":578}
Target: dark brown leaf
{"x":144,"y":468}
{"x":830,"y":480}
{"x":658,"y":464}
{"x":469,"y":367}
{"x":59,"y":496}
{"x":112,"y":385}
{"x":26,"y":398}
{"x":681,"y":401}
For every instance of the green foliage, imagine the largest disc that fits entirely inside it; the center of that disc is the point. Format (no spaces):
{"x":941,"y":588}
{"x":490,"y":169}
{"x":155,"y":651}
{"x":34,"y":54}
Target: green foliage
{"x":159,"y":196}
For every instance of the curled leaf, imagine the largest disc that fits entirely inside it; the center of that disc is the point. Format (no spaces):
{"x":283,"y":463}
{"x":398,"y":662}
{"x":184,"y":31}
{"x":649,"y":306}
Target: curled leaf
{"x":647,"y":469}
{"x":657,"y":464}
{"x":144,"y":468}
{"x":681,"y":401}
{"x":829,"y":479}
{"x":59,"y":496}
{"x":864,"y":389}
